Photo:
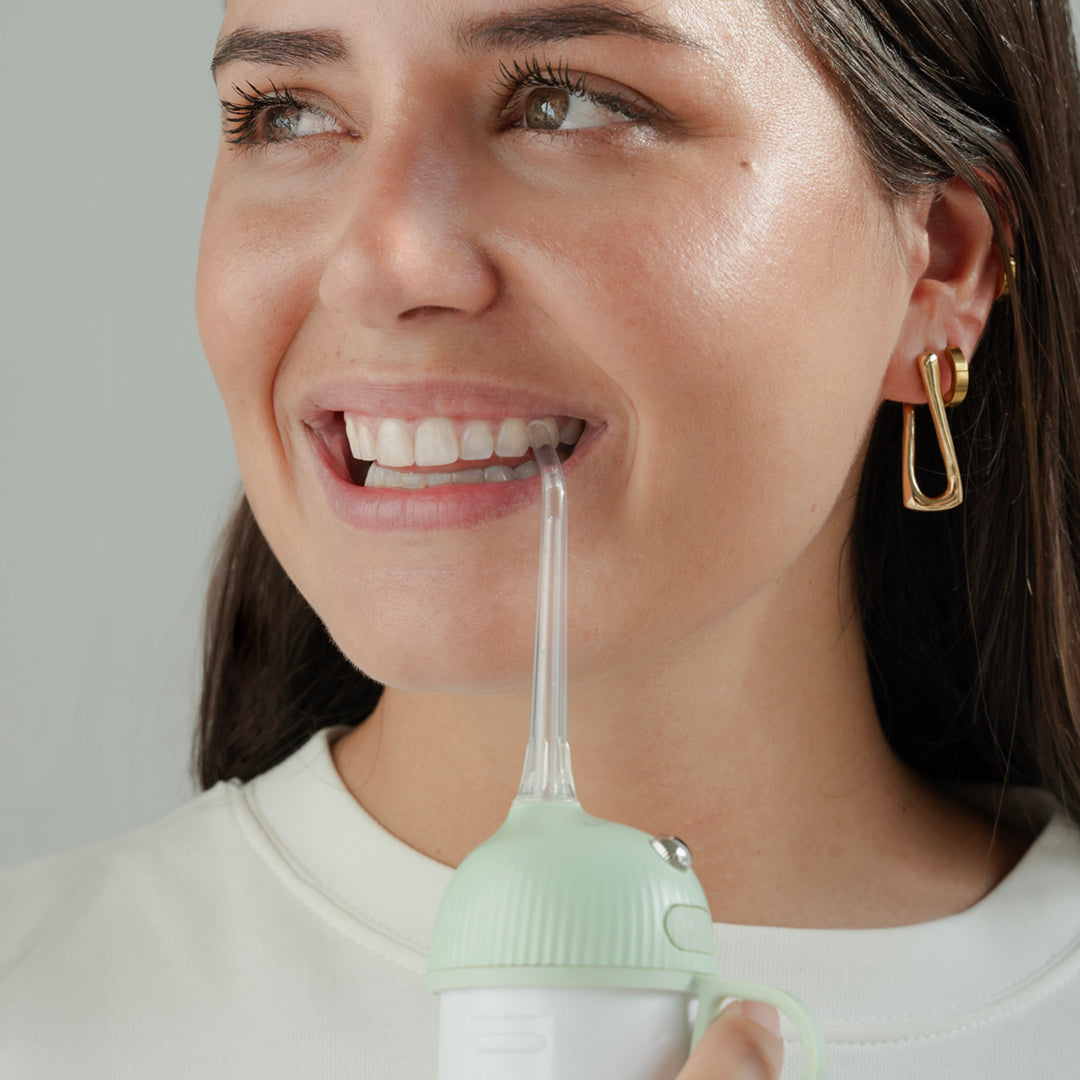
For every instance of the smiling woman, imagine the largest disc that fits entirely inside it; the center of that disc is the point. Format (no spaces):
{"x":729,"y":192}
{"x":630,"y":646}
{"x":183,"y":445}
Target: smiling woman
{"x":725,"y":252}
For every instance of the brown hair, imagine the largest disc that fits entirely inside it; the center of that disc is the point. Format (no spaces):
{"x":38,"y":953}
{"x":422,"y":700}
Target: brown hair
{"x":971,"y":617}
{"x":272,"y":676}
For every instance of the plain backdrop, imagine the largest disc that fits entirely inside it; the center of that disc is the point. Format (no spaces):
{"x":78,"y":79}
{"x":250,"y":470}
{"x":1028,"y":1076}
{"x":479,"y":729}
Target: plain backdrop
{"x":116,"y":467}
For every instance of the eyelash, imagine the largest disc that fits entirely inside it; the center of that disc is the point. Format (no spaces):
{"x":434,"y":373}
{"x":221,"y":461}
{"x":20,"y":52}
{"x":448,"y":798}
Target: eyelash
{"x":241,"y":118}
{"x":515,"y":79}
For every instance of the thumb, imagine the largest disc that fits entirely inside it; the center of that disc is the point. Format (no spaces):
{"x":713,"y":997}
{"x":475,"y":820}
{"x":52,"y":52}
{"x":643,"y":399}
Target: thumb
{"x":742,"y":1043}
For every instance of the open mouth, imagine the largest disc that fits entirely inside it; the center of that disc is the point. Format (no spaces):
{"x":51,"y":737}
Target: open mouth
{"x":418,"y":454}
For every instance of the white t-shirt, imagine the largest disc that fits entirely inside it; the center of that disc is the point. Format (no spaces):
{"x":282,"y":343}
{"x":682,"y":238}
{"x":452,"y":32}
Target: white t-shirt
{"x":275,"y":930}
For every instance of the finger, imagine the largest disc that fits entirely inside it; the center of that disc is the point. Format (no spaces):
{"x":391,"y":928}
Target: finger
{"x":742,"y":1043}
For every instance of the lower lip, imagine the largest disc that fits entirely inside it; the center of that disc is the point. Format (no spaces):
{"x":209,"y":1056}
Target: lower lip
{"x":448,"y":506}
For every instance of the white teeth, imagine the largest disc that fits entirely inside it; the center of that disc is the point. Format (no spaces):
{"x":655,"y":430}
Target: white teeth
{"x":571,"y":431}
{"x":553,"y":429}
{"x":468,"y":476}
{"x":442,"y":441}
{"x":477,"y":443}
{"x":436,"y":443}
{"x":376,"y":477}
{"x":512,"y":440}
{"x":414,"y":481}
{"x":361,"y":441}
{"x":394,"y":445}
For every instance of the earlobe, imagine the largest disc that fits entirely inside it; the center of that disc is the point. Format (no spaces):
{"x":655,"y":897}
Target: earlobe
{"x":950,"y":302}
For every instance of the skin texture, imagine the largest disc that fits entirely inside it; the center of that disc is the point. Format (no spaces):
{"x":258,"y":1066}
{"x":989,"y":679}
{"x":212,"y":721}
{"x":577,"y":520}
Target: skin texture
{"x":737,"y":1045}
{"x":728,"y":295}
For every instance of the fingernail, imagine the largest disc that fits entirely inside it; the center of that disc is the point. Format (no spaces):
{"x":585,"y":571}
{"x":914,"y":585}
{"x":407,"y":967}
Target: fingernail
{"x":765,"y":1015}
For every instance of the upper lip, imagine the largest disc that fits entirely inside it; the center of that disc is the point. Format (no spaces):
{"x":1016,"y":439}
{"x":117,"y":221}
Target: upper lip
{"x":450,"y":398}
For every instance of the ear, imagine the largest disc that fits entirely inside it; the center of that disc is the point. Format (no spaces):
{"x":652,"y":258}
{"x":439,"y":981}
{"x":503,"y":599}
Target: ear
{"x":952,"y":242}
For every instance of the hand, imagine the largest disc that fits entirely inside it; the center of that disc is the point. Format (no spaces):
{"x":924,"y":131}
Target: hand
{"x":739,"y":1044}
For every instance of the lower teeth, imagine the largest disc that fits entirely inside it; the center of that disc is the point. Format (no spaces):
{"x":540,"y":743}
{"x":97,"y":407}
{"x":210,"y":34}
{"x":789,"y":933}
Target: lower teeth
{"x":380,"y":476}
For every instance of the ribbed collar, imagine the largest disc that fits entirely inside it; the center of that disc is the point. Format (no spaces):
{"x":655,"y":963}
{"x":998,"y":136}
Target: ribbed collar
{"x":1023,"y":935}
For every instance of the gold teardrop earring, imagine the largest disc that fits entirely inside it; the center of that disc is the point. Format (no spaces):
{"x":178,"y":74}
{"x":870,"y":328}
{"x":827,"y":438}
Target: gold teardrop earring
{"x":914,"y":497}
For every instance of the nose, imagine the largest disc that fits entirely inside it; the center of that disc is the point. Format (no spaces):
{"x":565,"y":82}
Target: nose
{"x":408,"y":246}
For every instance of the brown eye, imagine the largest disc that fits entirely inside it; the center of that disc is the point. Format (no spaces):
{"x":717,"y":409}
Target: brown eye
{"x":546,"y":108}
{"x":281,"y":122}
{"x":287,"y":121}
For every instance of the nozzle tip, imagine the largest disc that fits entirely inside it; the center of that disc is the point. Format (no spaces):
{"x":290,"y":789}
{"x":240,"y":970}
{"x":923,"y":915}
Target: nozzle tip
{"x":540,"y":434}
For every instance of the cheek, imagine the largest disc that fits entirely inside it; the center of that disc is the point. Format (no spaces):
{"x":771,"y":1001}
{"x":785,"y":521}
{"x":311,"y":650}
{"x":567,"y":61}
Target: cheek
{"x":259,"y":266}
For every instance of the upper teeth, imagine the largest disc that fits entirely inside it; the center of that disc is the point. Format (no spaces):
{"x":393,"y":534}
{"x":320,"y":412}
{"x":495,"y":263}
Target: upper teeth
{"x":436,"y":440}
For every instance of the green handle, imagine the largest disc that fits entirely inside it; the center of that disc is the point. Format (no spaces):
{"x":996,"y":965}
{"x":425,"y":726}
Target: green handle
{"x":713,"y":991}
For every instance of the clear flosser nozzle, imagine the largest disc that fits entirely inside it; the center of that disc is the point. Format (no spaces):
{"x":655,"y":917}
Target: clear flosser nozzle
{"x":547,"y":775}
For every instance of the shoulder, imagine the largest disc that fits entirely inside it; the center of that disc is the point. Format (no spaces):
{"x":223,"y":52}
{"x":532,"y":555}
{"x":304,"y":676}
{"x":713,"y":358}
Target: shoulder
{"x":151,"y":869}
{"x":191,"y":946}
{"x":104,"y":947}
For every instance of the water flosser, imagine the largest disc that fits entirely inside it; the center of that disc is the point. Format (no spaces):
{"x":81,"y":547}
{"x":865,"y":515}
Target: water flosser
{"x":567,"y":947}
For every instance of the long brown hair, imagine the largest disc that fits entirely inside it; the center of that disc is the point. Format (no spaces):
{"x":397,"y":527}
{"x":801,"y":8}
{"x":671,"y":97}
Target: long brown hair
{"x":971,"y":617}
{"x":272,"y":676}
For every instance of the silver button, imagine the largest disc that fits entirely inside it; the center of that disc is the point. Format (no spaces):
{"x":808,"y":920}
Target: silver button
{"x":672,"y":850}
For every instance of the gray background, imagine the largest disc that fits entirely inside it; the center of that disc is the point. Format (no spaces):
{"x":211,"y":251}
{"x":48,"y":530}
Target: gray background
{"x":116,"y":468}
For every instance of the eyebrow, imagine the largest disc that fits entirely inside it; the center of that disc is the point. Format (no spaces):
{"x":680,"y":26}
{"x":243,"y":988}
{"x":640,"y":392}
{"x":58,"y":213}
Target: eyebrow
{"x":516,"y":30}
{"x":541,"y":25}
{"x":295,"y":48}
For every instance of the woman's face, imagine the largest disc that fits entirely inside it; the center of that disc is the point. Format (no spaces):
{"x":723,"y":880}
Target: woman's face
{"x":652,"y":217}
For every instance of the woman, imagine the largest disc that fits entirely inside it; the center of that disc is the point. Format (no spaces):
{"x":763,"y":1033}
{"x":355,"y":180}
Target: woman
{"x":718,"y":244}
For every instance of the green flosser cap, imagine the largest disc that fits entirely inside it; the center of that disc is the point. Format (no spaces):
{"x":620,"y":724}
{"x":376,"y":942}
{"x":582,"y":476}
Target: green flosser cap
{"x":559,"y":897}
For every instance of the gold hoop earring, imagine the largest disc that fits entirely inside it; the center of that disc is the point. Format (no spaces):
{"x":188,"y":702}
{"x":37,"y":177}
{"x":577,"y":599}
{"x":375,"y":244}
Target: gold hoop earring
{"x":914,"y":498}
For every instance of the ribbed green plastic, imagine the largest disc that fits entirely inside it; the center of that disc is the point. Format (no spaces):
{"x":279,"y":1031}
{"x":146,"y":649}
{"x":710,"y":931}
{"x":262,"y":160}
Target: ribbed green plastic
{"x":556,"y":888}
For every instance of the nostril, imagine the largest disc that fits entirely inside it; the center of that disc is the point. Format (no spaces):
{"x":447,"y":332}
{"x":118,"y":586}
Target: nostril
{"x":420,"y":312}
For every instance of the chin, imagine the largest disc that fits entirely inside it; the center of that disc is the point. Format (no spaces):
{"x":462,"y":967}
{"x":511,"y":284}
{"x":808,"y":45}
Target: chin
{"x":446,"y":664}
